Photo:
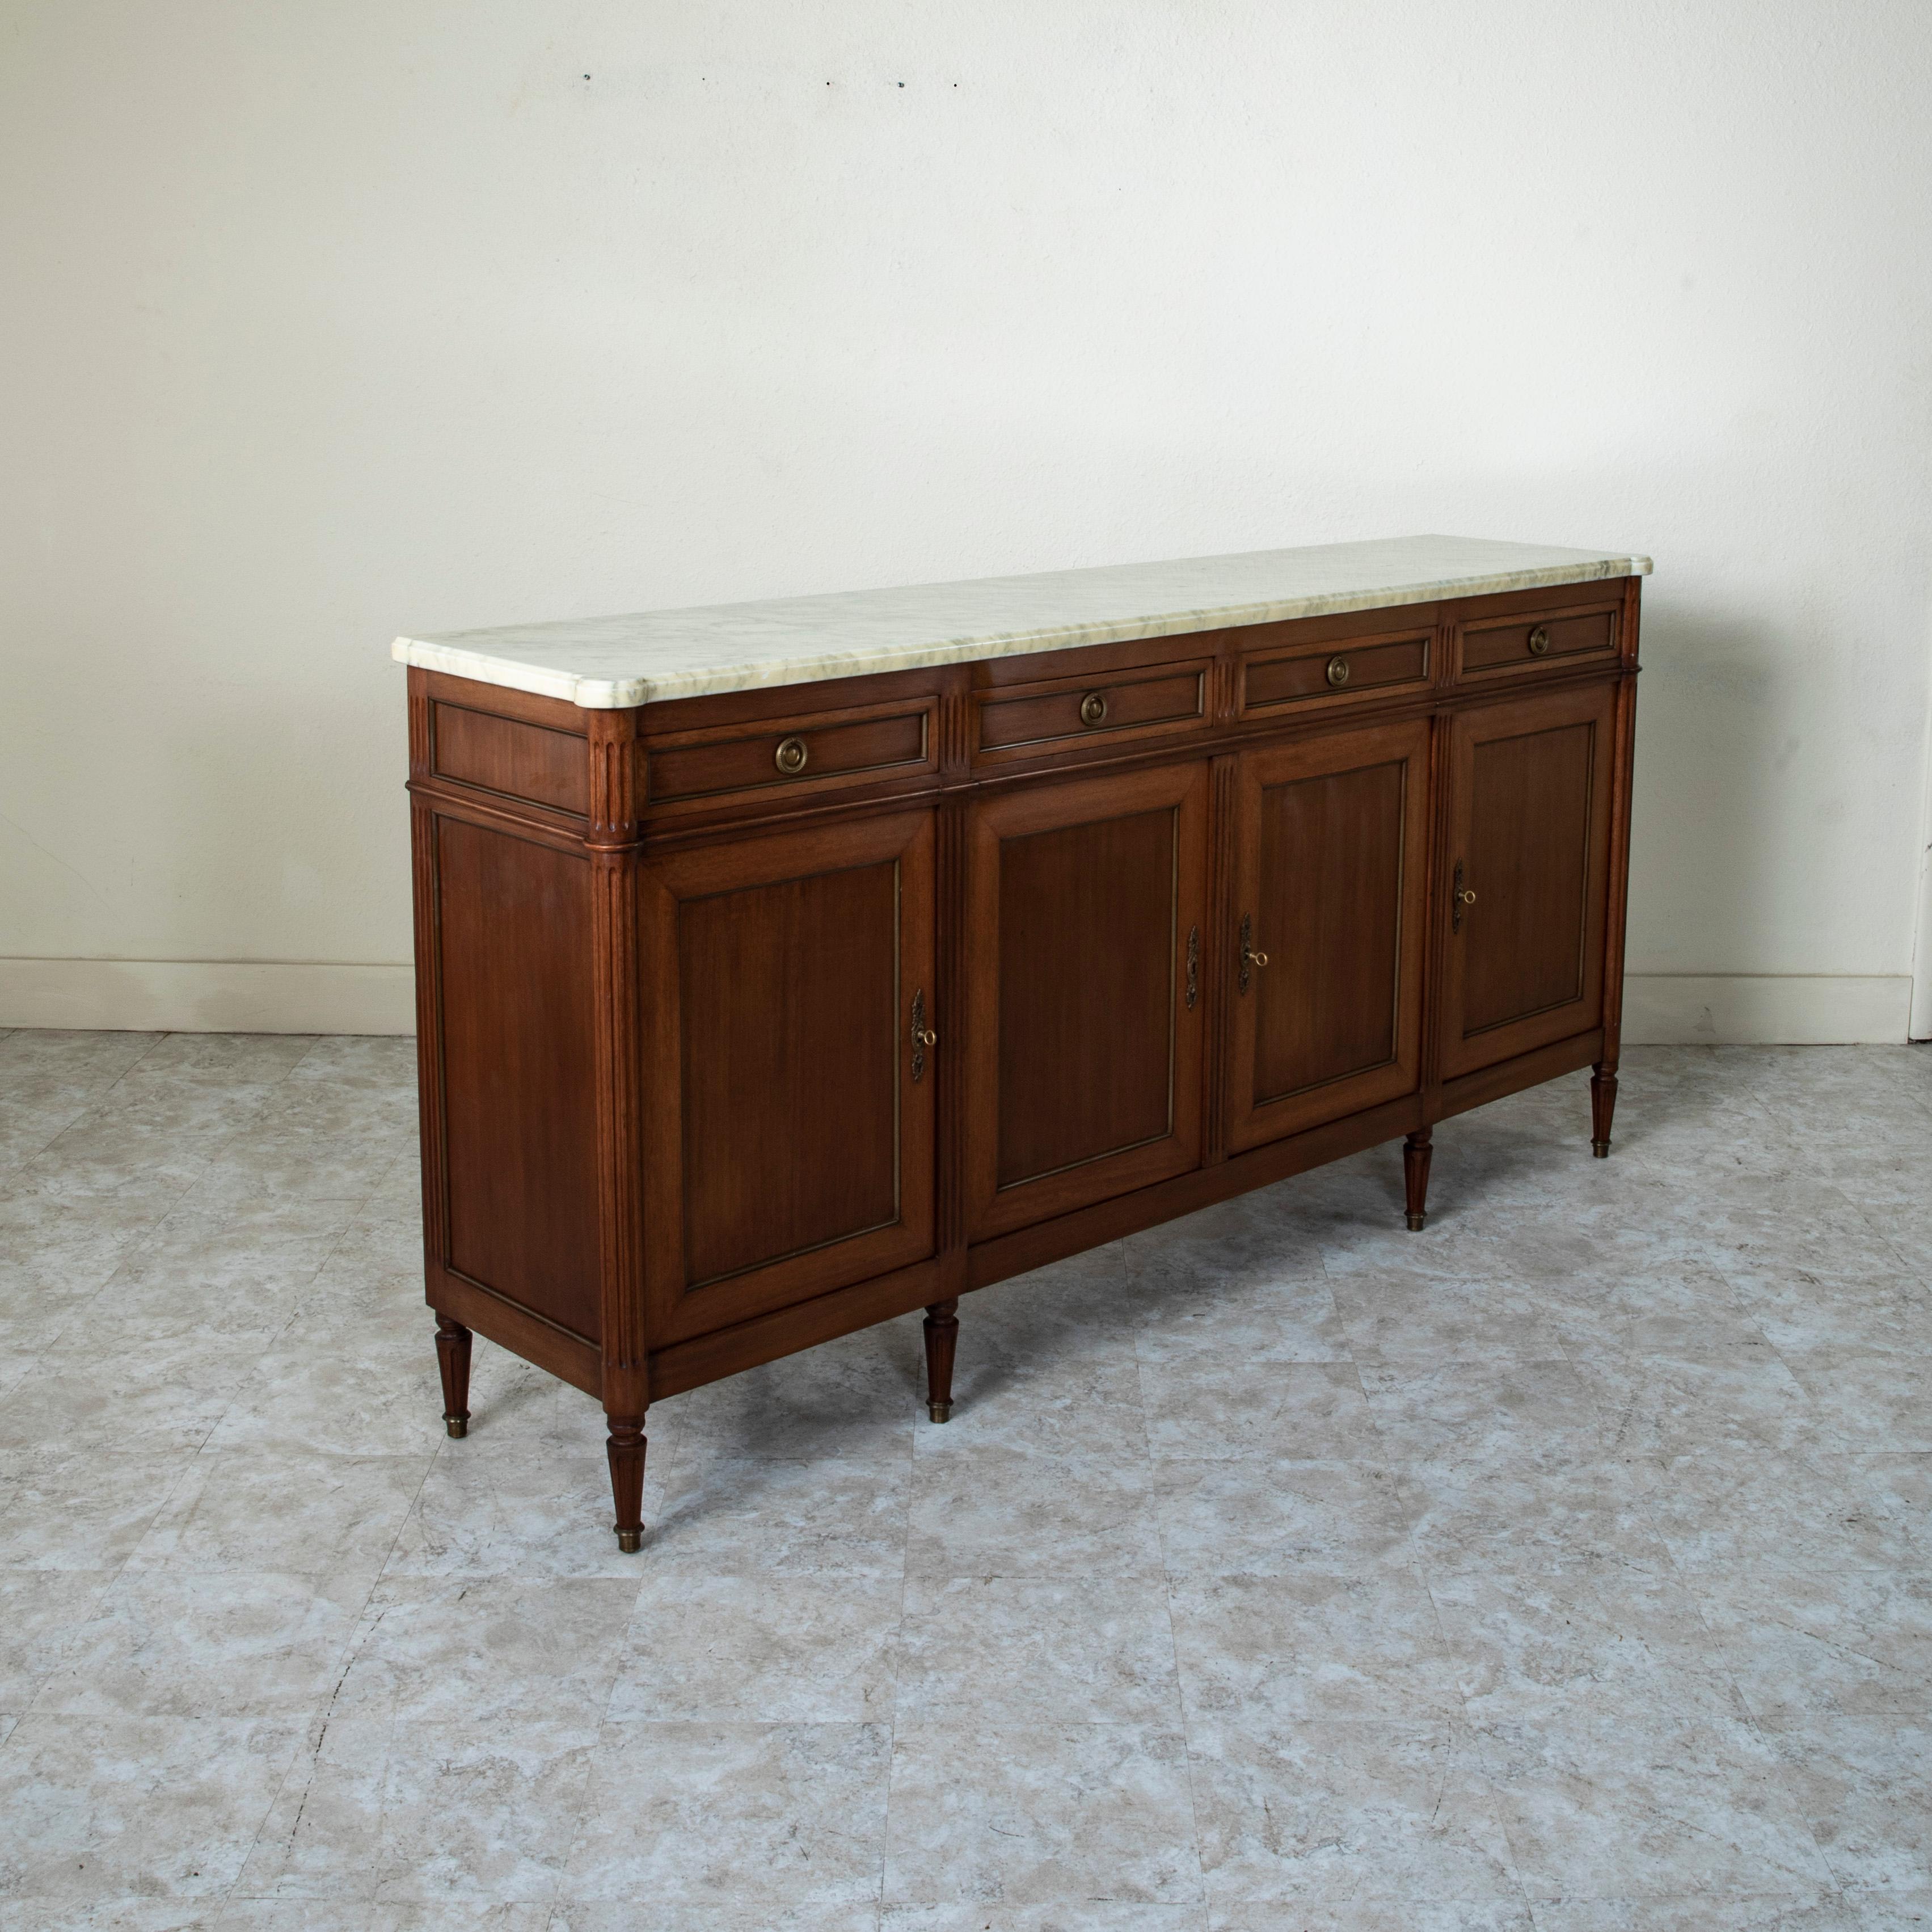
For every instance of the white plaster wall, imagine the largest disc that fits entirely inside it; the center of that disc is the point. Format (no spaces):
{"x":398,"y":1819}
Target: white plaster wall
{"x":321,"y":321}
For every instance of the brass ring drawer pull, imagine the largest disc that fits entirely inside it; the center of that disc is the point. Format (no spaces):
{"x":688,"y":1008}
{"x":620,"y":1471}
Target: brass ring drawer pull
{"x":1539,"y":640}
{"x":1094,"y":708}
{"x":1338,"y":672}
{"x":791,"y":756}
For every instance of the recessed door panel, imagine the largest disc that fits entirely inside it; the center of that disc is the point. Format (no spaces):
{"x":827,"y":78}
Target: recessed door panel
{"x":790,"y":1110}
{"x":1330,"y":873}
{"x":1528,"y":868}
{"x":786,"y":992}
{"x":1083,"y":1017}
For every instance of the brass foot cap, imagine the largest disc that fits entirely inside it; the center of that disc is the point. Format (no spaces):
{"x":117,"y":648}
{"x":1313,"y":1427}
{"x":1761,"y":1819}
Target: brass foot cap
{"x":939,"y":1411}
{"x":1415,"y":1223}
{"x":630,"y":1541}
{"x":458,"y":1425}
{"x":1601,"y":1149}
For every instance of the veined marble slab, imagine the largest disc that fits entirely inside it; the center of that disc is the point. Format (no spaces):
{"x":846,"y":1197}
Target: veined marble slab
{"x":611,"y":663}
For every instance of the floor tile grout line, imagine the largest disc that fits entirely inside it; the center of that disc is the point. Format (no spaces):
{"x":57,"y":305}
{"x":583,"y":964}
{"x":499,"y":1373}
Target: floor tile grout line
{"x":153,"y":1047}
{"x":19,"y":1164}
{"x":94,"y":1106}
{"x":1167,"y":1585}
{"x":1167,"y":1602}
{"x":294,"y":1317}
{"x":1385,"y":1458}
{"x":1468,"y":1720}
{"x":1685,"y":1581}
{"x":347,"y":1660}
{"x":1754,"y":1724}
{"x":899,"y":1665}
{"x":175,"y":1202}
{"x":356,"y":1629}
{"x":1187,"y":1742}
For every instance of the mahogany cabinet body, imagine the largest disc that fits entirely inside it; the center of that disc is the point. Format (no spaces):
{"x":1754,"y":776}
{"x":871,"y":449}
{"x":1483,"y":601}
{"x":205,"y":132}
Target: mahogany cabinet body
{"x":747,"y":1020}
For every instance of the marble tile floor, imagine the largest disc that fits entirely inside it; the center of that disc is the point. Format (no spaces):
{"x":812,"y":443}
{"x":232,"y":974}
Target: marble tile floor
{"x":1568,"y":1566}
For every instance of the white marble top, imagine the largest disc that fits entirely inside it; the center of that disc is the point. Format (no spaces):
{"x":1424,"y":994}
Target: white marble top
{"x":610,"y":663}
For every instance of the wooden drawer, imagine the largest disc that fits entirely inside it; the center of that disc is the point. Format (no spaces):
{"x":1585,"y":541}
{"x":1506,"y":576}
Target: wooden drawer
{"x":1524,"y":642}
{"x":1017,"y":721}
{"x":803,"y":753}
{"x":1335,"y":669}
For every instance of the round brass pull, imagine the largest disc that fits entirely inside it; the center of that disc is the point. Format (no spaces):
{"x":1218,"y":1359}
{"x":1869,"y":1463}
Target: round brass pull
{"x":1093,"y":709}
{"x":1539,"y":641}
{"x":791,"y":756}
{"x":1338,"y":672}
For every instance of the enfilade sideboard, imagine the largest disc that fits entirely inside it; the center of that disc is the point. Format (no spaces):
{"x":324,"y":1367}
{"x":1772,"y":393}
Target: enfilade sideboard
{"x":782,"y":967}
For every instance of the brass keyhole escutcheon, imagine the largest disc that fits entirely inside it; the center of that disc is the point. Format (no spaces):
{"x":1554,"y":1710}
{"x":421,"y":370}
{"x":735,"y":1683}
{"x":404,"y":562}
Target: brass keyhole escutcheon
{"x":922,"y":1035}
{"x":1338,"y":672}
{"x":1459,"y":896}
{"x":1539,"y":640}
{"x":1247,"y":957}
{"x":791,"y":756}
{"x":1093,"y":709}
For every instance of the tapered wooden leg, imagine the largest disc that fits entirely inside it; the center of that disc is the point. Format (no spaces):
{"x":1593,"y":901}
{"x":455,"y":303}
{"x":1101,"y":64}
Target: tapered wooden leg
{"x":942,"y":1338}
{"x":1415,"y":1153}
{"x":452,"y":1356}
{"x":1603,"y":1105}
{"x":625,"y":1446}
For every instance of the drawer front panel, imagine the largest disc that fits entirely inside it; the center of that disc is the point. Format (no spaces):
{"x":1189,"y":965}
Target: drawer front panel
{"x":1127,"y":707}
{"x":1333,"y":669}
{"x":797,"y":752}
{"x":1524,"y":642}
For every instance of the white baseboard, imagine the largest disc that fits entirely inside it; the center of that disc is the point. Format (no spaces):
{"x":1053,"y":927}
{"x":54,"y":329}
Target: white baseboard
{"x":208,"y":996}
{"x":200,"y":996}
{"x":1764,"y":1009}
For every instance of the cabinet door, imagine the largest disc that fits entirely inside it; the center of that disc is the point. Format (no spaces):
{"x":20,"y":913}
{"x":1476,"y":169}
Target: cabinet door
{"x":788,"y":1108}
{"x":1527,"y":870}
{"x":1331,"y":869}
{"x":1085,"y":904}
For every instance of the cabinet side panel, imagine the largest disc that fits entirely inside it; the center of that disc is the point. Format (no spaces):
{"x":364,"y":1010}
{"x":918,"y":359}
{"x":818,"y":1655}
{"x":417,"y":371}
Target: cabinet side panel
{"x":518,"y":1072}
{"x":502,"y":754}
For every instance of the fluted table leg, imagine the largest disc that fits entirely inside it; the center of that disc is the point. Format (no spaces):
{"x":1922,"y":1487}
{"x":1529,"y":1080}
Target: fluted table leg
{"x":942,"y":1338}
{"x":1603,"y":1105}
{"x":626,"y":1447}
{"x":452,"y":1357}
{"x":1415,"y":1155}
